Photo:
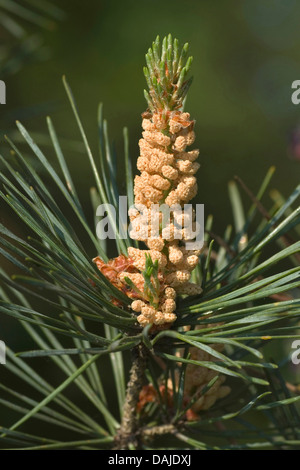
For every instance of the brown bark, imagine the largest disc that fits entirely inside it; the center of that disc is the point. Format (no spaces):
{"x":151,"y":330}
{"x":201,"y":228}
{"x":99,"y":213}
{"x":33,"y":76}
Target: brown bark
{"x":127,"y":433}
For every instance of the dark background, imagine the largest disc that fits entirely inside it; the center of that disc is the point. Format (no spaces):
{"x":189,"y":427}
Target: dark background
{"x":246,"y":56}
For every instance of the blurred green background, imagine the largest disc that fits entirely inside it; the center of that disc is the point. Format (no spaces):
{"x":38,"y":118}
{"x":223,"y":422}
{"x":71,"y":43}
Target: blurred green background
{"x":246,"y":56}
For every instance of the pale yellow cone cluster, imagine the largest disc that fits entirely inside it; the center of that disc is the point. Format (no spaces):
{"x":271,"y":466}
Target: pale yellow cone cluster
{"x":197,"y":377}
{"x":163,"y":315}
{"x":167,"y":172}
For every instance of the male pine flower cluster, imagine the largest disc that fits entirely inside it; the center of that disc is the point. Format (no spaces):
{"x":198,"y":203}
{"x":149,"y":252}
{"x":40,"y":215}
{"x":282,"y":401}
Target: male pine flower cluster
{"x":167,"y":177}
{"x":167,"y":172}
{"x":153,"y":277}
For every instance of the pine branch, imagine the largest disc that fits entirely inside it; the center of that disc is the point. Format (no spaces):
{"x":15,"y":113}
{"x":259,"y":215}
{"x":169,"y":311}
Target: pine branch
{"x":129,"y":425}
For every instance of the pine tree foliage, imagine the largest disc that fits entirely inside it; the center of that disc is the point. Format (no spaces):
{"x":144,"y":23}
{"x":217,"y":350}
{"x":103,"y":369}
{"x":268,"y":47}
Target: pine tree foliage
{"x":250,"y":300}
